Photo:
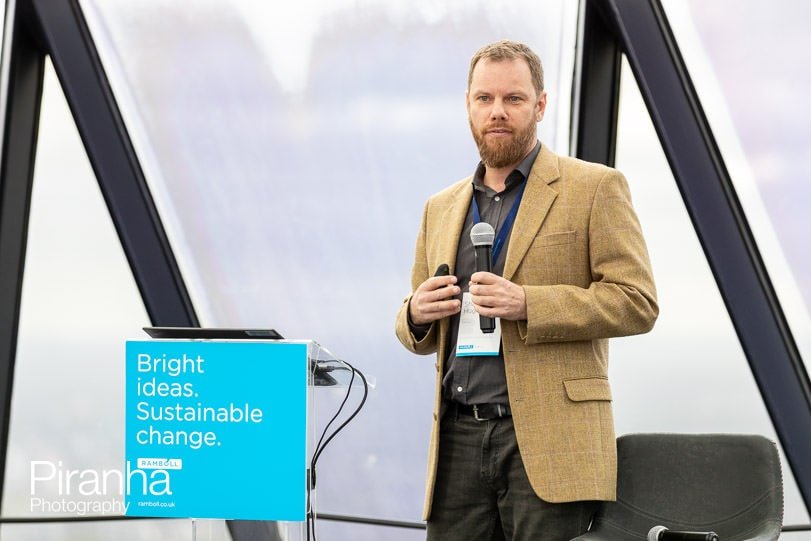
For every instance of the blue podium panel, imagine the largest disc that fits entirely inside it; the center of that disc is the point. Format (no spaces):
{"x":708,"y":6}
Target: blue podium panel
{"x":216,"y":429}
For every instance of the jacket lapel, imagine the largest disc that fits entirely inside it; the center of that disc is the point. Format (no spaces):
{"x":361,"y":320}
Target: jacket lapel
{"x":451,"y":224}
{"x":535,"y":205}
{"x":453,"y":219}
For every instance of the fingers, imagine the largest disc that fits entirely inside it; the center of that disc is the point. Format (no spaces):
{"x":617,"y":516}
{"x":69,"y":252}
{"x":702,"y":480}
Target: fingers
{"x":437,"y":310}
{"x":488,"y":286}
{"x":493,"y":296}
{"x":491,"y":311}
{"x":427,"y":312}
{"x":486,"y":278}
{"x":439,"y":287}
{"x":433,"y":300}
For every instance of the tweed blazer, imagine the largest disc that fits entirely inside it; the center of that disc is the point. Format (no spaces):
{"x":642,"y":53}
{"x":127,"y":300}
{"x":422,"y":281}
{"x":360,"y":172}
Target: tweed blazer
{"x":577,"y":249}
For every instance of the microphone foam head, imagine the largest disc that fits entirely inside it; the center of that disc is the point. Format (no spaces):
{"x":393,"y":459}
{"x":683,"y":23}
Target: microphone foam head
{"x":653,"y":534}
{"x":482,"y":234}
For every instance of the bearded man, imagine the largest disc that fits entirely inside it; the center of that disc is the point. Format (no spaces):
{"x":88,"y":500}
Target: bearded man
{"x":523,"y":442}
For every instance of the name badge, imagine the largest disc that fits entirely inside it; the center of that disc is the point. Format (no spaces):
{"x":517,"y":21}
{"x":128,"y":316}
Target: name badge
{"x":471,"y":341}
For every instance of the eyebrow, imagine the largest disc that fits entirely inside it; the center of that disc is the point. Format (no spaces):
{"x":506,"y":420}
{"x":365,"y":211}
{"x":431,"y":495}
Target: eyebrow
{"x":515,"y":92}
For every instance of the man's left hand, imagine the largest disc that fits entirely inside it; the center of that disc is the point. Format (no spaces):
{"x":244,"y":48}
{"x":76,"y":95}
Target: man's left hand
{"x":493,"y":296}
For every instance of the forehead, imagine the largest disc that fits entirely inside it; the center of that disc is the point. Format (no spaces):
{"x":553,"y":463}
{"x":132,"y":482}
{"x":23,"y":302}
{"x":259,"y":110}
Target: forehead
{"x":493,"y":75}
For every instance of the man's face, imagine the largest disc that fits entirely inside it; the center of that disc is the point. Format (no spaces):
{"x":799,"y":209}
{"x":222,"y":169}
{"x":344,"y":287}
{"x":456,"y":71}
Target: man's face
{"x":503,"y":109}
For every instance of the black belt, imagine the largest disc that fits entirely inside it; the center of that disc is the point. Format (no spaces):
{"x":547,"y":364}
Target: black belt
{"x":481,"y":412}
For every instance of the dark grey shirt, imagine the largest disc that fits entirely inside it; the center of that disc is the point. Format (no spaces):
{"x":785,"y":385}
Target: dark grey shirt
{"x":481,"y":380}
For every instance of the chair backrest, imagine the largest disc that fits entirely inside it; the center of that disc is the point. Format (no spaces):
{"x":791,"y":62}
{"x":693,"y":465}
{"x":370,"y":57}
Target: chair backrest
{"x":727,"y":483}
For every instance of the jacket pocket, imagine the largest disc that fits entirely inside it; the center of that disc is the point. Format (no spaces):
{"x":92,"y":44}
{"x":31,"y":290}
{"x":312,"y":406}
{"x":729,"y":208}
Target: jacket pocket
{"x":554,"y":239}
{"x":584,"y":389}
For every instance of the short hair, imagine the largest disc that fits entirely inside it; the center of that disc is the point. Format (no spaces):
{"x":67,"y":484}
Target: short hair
{"x":509,"y":50}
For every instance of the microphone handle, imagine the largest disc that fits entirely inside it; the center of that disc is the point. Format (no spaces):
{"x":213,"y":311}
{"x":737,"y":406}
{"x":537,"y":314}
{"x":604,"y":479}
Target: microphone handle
{"x":484,"y":256}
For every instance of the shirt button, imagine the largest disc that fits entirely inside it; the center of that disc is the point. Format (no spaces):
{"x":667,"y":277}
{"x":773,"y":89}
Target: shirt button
{"x":498,"y":198}
{"x":459,"y":389}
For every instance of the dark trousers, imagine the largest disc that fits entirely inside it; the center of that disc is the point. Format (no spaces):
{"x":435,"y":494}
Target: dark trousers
{"x":482,"y":491}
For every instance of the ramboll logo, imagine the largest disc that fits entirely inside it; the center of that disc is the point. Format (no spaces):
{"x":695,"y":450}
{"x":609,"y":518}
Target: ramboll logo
{"x":160,"y":464}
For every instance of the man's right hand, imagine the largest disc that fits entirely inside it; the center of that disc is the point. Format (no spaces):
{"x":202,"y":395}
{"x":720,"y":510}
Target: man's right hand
{"x":433,"y":300}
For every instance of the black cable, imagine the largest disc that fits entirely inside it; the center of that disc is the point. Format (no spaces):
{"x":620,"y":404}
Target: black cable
{"x":318,"y":446}
{"x":322,"y":444}
{"x":349,"y":419}
{"x":310,"y":512}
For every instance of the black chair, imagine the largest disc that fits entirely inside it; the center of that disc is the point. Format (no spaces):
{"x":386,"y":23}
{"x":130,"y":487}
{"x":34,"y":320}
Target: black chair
{"x":726,"y":483}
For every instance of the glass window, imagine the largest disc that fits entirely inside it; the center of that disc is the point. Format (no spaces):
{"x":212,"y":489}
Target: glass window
{"x":79,"y":304}
{"x":750,"y":67}
{"x":291,"y":156}
{"x":689,"y":374}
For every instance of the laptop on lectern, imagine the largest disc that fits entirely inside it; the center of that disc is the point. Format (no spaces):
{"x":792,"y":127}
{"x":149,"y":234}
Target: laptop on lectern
{"x":212,"y":333}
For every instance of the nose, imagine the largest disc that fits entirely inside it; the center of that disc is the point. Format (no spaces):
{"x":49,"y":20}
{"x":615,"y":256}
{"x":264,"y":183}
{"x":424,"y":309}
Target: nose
{"x":498,"y":112}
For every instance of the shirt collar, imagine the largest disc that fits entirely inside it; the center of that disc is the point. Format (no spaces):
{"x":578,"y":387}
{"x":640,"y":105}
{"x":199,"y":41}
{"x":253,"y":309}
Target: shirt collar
{"x":516,"y":177}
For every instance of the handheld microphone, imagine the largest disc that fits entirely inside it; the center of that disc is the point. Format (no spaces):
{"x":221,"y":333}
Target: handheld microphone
{"x":660,"y":533}
{"x":482,"y":236}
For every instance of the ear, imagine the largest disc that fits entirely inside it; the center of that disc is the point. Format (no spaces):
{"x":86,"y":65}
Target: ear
{"x":540,"y":107}
{"x":467,"y":101}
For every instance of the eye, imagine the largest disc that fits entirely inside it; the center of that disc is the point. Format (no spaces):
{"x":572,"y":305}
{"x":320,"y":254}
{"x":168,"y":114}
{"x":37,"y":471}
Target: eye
{"x":483,"y":99}
{"x":514,"y":99}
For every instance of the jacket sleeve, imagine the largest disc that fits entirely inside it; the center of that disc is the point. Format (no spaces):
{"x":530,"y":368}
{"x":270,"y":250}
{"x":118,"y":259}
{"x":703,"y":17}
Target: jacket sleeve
{"x":419,"y":273}
{"x":621,"y":299}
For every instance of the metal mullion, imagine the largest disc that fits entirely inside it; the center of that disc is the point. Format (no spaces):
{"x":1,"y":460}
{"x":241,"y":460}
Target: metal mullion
{"x":110,"y":151}
{"x":596,"y":89}
{"x":23,"y":67}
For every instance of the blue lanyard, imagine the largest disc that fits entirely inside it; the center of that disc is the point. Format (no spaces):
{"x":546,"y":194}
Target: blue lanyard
{"x":498,"y":244}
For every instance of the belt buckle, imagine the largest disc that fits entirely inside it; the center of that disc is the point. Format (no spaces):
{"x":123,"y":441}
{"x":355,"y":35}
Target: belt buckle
{"x":476,"y":414}
{"x":500,"y":412}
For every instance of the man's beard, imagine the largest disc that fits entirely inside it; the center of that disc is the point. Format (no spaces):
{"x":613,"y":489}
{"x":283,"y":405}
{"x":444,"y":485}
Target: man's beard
{"x":500,"y":153}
